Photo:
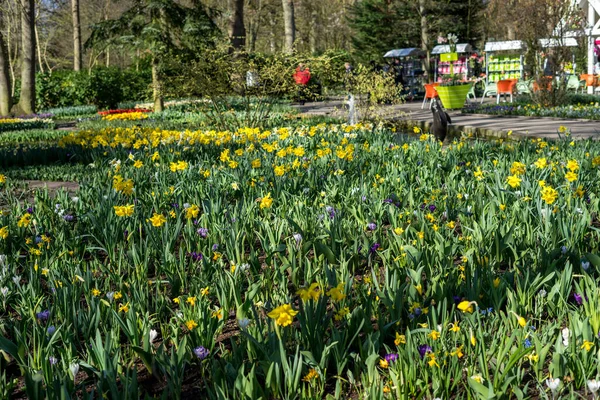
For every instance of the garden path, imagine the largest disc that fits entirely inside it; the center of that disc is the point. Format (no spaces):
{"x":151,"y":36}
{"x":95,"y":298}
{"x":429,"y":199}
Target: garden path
{"x":476,"y":124}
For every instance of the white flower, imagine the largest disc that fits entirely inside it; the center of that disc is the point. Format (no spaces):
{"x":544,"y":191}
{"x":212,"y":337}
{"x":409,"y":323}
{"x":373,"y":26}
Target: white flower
{"x":542,"y":293}
{"x":74,"y":368}
{"x":553,"y":384}
{"x":152,"y":334}
{"x":593,"y":385}
{"x":243,"y":323}
{"x":4,"y":291}
{"x":74,"y":199}
{"x":565,"y":335}
{"x":466,"y":196}
{"x":244,"y":267}
{"x":16,"y":279}
{"x":186,"y":205}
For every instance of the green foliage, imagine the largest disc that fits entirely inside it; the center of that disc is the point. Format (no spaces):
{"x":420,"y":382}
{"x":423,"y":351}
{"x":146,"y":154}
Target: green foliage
{"x":374,"y":241}
{"x":103,"y":87}
{"x":381,"y":25}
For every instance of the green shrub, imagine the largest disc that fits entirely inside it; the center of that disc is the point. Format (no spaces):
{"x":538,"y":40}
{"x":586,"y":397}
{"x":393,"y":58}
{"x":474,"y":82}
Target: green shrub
{"x":104,"y":87}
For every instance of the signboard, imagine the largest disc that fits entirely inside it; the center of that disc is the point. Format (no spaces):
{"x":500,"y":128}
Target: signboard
{"x":448,"y":57}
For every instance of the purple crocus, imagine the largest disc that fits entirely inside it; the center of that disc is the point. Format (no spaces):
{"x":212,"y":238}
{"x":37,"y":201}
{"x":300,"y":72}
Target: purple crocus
{"x":201,"y":352}
{"x":424,"y":349}
{"x":331,"y":211}
{"x":371,"y":226}
{"x":432,"y":207}
{"x":203,"y":232}
{"x":391,"y":357}
{"x":30,"y":210}
{"x":195,"y":256}
{"x":68,"y":218}
{"x":43,"y":316}
{"x":297,"y":238}
{"x":52,"y":360}
{"x":374,"y":247}
{"x":578,"y":298}
{"x":51,"y":329}
{"x":215,"y":247}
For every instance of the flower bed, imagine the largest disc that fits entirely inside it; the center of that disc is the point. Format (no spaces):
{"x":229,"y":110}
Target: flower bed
{"x":290,"y":258}
{"x":590,"y":111}
{"x":124,"y":111}
{"x":24,"y":123}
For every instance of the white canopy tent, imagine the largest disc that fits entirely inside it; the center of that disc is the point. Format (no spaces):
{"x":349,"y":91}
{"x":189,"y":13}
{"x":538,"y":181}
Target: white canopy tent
{"x":408,"y":52}
{"x":564,"y":42}
{"x":460,"y":48}
{"x":503,"y":46}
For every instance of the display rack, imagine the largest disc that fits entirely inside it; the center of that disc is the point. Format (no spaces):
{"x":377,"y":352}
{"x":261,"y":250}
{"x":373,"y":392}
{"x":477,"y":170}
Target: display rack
{"x":410,"y":60}
{"x":504,"y":60}
{"x":460,"y":66}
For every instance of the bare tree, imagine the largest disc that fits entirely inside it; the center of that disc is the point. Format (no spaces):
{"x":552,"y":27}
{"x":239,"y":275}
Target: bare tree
{"x":289,"y":24}
{"x":27,"y":99}
{"x":77,"y":54}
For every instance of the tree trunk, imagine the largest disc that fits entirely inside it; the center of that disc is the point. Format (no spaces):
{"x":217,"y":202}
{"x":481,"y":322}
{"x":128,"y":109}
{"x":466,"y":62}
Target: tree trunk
{"x":27,"y":100}
{"x":237,"y":30}
{"x":157,"y":86}
{"x":39,"y":51}
{"x":425,"y":38}
{"x":314,"y":26}
{"x":272,"y":34}
{"x":5,"y":87}
{"x":289,"y":25}
{"x":77,"y":54}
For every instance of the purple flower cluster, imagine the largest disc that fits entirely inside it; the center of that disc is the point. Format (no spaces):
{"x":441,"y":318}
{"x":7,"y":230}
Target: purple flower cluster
{"x":424,"y":349}
{"x":391,"y":357}
{"x":195,"y":256}
{"x":371,"y":226}
{"x":330,"y":211}
{"x":203,"y":232}
{"x":43,"y":316}
{"x":201,"y":352}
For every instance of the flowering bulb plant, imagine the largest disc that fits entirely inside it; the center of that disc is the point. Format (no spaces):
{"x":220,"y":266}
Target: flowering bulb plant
{"x":451,"y":39}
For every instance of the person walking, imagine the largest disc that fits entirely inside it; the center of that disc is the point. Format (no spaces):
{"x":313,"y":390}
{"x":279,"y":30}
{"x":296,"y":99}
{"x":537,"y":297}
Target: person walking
{"x":302,"y":77}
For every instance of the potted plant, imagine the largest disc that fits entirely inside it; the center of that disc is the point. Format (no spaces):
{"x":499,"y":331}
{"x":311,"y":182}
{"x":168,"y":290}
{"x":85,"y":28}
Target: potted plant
{"x":453,"y":92}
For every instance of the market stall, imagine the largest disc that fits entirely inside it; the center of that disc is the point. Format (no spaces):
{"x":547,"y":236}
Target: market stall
{"x":564,"y":42}
{"x":411,"y":63}
{"x":504,"y":60}
{"x":459,"y":67}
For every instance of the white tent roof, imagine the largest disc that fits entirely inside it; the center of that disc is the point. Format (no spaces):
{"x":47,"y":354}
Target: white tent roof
{"x":460,"y":48}
{"x":507,"y":45}
{"x":567,"y":41}
{"x":409,"y":52}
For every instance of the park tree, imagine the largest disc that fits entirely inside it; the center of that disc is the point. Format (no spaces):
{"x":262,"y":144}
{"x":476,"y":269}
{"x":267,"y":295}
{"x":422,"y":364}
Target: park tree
{"x":237,"y":29}
{"x":158,"y":28}
{"x":289,"y":25}
{"x":27,"y":97}
{"x":77,"y":50}
{"x":5,"y":82}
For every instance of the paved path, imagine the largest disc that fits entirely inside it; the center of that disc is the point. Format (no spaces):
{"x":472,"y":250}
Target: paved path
{"x":476,"y":124}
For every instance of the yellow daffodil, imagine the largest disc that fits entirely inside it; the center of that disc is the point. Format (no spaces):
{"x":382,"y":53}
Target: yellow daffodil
{"x":283,"y":315}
